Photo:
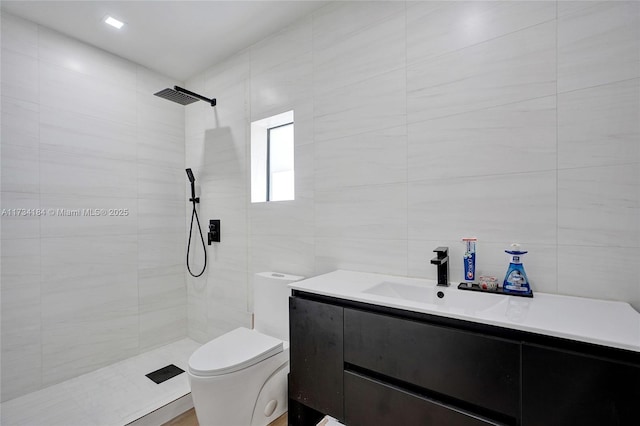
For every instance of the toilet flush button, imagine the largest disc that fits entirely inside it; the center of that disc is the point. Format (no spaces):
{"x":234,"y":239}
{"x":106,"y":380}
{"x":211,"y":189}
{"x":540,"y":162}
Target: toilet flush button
{"x":270,"y":407}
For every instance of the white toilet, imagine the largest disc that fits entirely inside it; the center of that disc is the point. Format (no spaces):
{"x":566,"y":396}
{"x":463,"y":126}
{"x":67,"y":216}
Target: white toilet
{"x":240,"y":378}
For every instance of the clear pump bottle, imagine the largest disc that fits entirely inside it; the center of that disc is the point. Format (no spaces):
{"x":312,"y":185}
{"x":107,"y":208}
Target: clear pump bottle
{"x":516,"y":278}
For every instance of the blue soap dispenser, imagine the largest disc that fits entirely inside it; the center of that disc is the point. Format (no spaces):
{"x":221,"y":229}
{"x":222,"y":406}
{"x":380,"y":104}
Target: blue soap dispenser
{"x":516,"y":279}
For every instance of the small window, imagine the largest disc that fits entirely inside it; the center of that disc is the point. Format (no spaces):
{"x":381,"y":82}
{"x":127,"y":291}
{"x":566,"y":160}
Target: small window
{"x":272,"y":159}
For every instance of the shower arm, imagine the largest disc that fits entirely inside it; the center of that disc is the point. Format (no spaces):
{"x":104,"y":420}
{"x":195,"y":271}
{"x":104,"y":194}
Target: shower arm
{"x":211,"y":102}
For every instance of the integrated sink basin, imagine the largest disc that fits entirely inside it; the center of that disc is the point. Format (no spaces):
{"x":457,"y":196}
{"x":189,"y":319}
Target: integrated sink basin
{"x":443,"y":297}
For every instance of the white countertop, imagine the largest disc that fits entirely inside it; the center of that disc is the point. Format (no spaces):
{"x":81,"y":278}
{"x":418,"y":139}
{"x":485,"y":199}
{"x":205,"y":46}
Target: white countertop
{"x":603,"y":322}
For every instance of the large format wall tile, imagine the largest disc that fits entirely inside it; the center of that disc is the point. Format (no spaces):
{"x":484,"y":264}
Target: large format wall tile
{"x":599,"y":126}
{"x":223,"y":152}
{"x":20,"y":168}
{"x":161,"y":115}
{"x":222,"y":319}
{"x":229,"y":207}
{"x":232,"y":72}
{"x":287,"y":254}
{"x":21,"y":323}
{"x":159,"y":182}
{"x":372,"y":211}
{"x":20,"y":123}
{"x":513,"y":207}
{"x":339,"y":20}
{"x":67,"y":132}
{"x":69,"y":216}
{"x":19,"y":76}
{"x":598,"y":44}
{"x":284,"y":47}
{"x":160,"y":149}
{"x":282,"y":88}
{"x":163,"y":305}
{"x":197,"y":307}
{"x":156,"y":216}
{"x":360,"y":55}
{"x":599,"y":206}
{"x":149,"y":81}
{"x":438,"y":27}
{"x":81,"y":175}
{"x":369,"y":105}
{"x":160,"y":250}
{"x":512,"y":138}
{"x":283,"y":218}
{"x":75,"y":55}
{"x":361,"y":254}
{"x":508,"y":69}
{"x":72,"y":91}
{"x":365,"y":159}
{"x":19,"y":35}
{"x":227,"y":281}
{"x":21,"y":218}
{"x":601,"y":273}
{"x":89,"y":304}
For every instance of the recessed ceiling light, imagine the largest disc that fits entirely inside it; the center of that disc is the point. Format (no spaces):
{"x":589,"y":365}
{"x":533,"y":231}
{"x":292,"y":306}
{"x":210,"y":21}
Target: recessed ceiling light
{"x":113,"y":22}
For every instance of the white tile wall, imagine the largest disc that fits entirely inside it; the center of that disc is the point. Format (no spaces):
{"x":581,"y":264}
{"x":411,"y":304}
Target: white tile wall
{"x":599,"y":206}
{"x":359,"y":55}
{"x":425,"y":122}
{"x":82,"y":129}
{"x":512,"y":138}
{"x":369,"y":105}
{"x":599,"y":126}
{"x":217,"y":153}
{"x":438,"y":27}
{"x":598,"y":44}
{"x":515,"y":67}
{"x":378,"y":157}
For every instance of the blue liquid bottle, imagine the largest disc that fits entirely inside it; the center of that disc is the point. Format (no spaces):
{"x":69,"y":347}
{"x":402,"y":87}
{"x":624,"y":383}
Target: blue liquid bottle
{"x":516,"y":278}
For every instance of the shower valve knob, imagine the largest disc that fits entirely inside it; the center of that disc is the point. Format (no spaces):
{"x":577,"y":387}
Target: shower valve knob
{"x":214,"y":231}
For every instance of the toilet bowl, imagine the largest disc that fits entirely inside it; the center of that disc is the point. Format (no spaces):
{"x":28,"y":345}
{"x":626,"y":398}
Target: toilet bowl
{"x":240,"y":378}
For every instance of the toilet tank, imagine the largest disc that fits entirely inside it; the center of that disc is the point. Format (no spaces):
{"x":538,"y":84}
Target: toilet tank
{"x":271,"y":303}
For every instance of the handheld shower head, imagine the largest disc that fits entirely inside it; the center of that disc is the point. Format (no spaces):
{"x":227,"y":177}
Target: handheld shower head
{"x":192,"y":179}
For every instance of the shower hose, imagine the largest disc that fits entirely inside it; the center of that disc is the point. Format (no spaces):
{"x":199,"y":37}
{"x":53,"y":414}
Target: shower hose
{"x":194,"y":213}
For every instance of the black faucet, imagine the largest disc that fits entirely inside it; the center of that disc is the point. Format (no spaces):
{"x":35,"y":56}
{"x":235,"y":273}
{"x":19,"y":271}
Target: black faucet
{"x":442,"y":260}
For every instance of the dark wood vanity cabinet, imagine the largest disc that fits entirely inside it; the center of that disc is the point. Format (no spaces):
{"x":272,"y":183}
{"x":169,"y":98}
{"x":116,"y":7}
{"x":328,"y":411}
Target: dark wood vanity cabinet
{"x":316,"y":356}
{"x":371,"y":365}
{"x":565,"y":388}
{"x":467,"y":367}
{"x":372,"y":402}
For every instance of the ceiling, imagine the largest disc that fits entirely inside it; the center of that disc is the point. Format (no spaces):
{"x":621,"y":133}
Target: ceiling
{"x":177,"y":38}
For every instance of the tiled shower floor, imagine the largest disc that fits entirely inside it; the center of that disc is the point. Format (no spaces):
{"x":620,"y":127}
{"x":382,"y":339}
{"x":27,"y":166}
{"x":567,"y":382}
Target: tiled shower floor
{"x":111,"y":396}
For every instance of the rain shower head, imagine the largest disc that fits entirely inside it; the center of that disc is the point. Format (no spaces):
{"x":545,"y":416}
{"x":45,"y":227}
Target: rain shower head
{"x":192,"y":179}
{"x":183,"y":96}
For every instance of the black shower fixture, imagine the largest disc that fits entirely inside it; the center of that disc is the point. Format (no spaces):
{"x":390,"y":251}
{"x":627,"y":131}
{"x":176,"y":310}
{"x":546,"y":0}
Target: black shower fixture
{"x":192,"y":180}
{"x":183,"y":96}
{"x":195,"y":200}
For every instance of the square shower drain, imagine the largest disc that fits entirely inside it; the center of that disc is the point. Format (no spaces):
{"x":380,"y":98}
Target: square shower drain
{"x":165,"y":373}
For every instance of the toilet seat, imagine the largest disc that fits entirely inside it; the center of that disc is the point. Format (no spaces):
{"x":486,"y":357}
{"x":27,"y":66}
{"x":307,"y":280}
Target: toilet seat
{"x":233,"y":351}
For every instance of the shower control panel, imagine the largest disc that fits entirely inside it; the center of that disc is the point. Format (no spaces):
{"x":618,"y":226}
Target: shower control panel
{"x":213,"y":236}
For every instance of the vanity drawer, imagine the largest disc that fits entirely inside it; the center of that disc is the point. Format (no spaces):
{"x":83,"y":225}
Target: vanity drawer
{"x":481,"y":370}
{"x":370,"y":402}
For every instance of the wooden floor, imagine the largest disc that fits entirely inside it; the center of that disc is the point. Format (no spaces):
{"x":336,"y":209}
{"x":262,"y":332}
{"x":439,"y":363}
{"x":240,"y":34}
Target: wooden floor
{"x":189,"y":419}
